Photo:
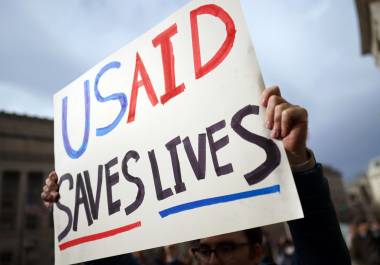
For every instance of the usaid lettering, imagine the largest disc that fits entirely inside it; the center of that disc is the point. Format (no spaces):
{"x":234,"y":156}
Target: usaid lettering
{"x":162,"y":41}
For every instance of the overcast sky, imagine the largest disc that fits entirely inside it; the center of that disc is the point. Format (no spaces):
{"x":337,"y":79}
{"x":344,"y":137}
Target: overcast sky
{"x":310,"y":48}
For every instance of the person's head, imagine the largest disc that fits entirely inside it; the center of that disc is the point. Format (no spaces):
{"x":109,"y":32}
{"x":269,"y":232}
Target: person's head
{"x":353,"y":228}
{"x":287,"y":247}
{"x":237,"y":248}
{"x":375,"y":226}
{"x":362,"y":227}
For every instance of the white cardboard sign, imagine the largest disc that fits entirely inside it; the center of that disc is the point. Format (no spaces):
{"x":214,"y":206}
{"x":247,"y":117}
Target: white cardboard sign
{"x":164,"y":141}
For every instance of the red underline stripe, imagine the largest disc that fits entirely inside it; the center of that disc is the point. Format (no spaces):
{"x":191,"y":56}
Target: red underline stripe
{"x":98,"y":236}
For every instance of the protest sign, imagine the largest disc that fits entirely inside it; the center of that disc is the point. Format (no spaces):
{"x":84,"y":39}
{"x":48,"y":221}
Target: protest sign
{"x":164,"y":141}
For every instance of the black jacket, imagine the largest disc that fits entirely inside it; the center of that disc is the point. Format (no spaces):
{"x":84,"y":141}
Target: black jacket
{"x":317,"y":237}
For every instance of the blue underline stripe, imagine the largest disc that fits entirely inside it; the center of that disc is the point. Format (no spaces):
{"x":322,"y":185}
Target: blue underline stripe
{"x":220,"y":199}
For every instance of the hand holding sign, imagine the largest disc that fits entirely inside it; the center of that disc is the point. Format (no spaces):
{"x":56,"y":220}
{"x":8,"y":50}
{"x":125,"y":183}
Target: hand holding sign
{"x":49,"y":193}
{"x":287,"y":122}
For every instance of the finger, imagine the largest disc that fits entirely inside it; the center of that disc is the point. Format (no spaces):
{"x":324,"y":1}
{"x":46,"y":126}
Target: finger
{"x":291,"y":117}
{"x":267,"y":93}
{"x":46,"y":197}
{"x":46,"y":189}
{"x":53,"y":176}
{"x":53,"y":186}
{"x":43,"y":196}
{"x":51,"y":183}
{"x":272,"y":103}
{"x":54,"y":196}
{"x":278,"y":112}
{"x":48,"y":204}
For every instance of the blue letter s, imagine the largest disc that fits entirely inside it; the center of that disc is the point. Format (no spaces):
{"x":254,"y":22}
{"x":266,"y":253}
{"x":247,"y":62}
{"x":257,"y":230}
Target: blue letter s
{"x":117,"y":96}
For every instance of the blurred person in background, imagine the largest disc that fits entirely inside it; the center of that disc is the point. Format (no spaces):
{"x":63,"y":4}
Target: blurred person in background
{"x":363,"y":248}
{"x":375,"y":232}
{"x":352,"y":231}
{"x":285,"y":252}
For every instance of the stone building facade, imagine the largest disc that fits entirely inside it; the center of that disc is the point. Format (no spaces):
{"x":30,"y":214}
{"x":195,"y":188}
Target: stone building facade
{"x":369,"y":23}
{"x":339,"y":194}
{"x":364,"y":193}
{"x":373,"y":174}
{"x":26,"y":157}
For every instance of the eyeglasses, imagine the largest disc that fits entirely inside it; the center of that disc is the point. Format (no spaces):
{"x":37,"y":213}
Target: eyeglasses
{"x":223,"y":251}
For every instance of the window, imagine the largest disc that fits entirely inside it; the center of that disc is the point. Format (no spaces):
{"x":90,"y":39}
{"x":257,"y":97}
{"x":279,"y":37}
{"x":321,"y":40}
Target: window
{"x":9,"y":200}
{"x":35,"y":180}
{"x":33,"y":205}
{"x":31,"y":221}
{"x":6,"y":257}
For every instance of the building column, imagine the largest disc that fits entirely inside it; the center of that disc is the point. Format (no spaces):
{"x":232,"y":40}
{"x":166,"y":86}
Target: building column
{"x":20,"y":221}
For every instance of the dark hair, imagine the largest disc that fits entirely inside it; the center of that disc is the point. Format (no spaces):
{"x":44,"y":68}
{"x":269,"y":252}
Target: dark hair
{"x":254,"y":235}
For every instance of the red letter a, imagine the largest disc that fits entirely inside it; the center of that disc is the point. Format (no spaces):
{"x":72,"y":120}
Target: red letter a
{"x":163,"y":39}
{"x":145,"y":81}
{"x":220,"y":55}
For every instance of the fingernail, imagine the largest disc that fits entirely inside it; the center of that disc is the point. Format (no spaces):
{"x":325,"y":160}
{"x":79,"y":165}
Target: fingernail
{"x":276,"y":133}
{"x":267,"y":124}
